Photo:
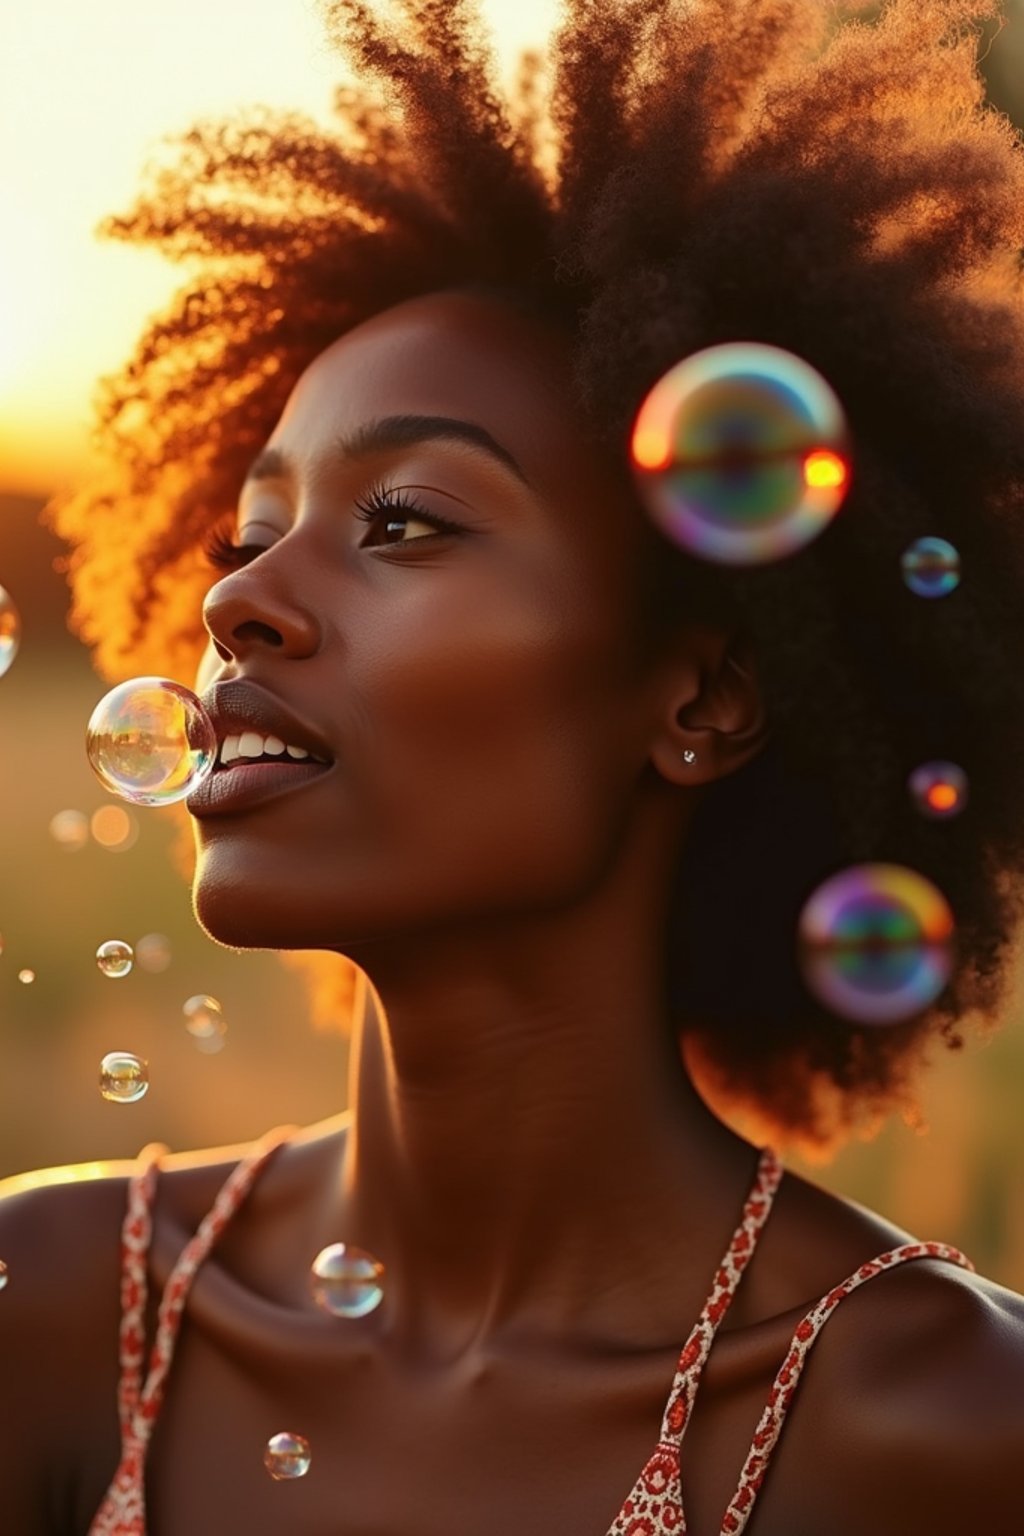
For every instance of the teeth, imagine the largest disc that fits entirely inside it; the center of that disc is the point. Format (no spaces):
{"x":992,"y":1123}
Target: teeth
{"x":250,"y":744}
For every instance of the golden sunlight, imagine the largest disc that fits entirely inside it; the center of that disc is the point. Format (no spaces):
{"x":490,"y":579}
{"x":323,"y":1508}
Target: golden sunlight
{"x":87,"y":92}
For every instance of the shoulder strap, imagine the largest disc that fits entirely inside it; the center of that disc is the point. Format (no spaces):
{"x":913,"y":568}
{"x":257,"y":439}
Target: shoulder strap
{"x":122,"y":1512}
{"x":781,"y":1394}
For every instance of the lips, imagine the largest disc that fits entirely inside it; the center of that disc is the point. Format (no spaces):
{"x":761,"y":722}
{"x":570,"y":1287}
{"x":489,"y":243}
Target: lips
{"x":264,"y":750}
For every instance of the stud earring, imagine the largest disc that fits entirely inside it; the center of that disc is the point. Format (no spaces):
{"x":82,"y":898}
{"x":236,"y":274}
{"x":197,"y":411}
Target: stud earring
{"x":689,"y":757}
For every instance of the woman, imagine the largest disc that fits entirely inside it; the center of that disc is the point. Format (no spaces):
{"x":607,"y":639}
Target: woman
{"x":559,"y":791}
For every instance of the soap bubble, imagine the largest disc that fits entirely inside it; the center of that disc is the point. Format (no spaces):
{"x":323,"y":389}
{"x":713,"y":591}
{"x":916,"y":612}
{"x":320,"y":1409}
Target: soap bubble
{"x":939,"y":790}
{"x":286,"y":1456}
{"x":151,"y":741}
{"x":153,"y":952}
{"x":741,"y":453}
{"x":114,"y":957}
{"x":70,"y":830}
{"x":875,"y":943}
{"x":27,"y":977}
{"x":205,"y":1022}
{"x":114,"y":828}
{"x":931,"y":567}
{"x":347,"y":1281}
{"x":10,"y":631}
{"x":124,"y":1078}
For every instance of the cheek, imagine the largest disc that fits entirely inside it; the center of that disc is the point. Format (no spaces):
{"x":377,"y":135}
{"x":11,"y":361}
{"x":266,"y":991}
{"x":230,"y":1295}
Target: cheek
{"x":494,"y":757}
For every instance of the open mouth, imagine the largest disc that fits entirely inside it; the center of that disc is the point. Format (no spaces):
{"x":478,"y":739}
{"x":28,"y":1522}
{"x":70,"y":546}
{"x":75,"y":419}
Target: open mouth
{"x":249,"y":747}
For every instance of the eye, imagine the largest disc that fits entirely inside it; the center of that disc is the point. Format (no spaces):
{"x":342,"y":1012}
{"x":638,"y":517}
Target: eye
{"x":224,"y":555}
{"x":395,"y":511}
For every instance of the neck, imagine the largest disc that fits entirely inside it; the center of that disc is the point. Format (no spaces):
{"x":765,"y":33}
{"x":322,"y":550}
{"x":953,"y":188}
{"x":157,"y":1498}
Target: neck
{"x":528,"y":1156}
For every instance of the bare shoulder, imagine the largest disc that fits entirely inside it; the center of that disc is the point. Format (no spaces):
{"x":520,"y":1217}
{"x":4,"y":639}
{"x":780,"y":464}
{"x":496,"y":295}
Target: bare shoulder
{"x":939,"y":1407}
{"x":909,"y":1410}
{"x":926,"y":1429}
{"x":59,"y":1317}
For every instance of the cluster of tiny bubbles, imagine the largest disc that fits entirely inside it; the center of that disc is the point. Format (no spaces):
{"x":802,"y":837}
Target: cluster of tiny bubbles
{"x":347,"y":1281}
{"x":150,"y":741}
{"x":875,"y":943}
{"x":114,"y":957}
{"x":3,"y":1274}
{"x":124,"y":1077}
{"x":26,"y":977}
{"x":286,"y":1456}
{"x":10,"y":631}
{"x":70,"y":830}
{"x":938,"y":790}
{"x":741,"y":453}
{"x":205,"y":1022}
{"x":153,"y":952}
{"x":114,"y":828}
{"x":931,"y":567}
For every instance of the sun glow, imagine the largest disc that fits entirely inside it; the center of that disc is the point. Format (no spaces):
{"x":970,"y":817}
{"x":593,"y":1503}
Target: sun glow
{"x":88,"y":93}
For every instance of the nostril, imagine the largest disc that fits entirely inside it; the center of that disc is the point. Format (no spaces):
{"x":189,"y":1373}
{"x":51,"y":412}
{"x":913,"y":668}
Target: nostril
{"x":253,"y":629}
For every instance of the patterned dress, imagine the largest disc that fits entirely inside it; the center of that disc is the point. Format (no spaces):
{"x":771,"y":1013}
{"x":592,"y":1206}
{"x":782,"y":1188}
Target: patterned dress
{"x":654,"y":1505}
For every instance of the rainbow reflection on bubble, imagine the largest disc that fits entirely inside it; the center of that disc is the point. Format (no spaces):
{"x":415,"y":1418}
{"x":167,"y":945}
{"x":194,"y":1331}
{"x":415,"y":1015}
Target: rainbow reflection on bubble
{"x":938,"y":790}
{"x":931,"y":567}
{"x":150,"y":741}
{"x":741,"y":453}
{"x":875,"y":943}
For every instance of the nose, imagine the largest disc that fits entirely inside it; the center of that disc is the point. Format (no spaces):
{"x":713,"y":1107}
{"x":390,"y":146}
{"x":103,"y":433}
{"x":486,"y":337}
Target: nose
{"x":244,"y":613}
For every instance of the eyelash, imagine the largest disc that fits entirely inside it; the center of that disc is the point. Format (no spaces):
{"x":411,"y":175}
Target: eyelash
{"x":221,"y":552}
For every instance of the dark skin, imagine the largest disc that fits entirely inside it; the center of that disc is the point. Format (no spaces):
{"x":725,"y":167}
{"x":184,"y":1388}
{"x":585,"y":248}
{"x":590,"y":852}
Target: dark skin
{"x":525,"y":1150}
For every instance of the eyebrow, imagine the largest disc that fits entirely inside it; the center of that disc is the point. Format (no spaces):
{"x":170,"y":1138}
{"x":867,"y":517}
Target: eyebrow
{"x":394,"y":432}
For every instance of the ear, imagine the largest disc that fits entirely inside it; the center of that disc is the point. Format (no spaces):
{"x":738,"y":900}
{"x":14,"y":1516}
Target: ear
{"x":713,"y":717}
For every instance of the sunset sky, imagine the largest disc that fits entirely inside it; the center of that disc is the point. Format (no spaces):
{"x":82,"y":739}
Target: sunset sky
{"x":87,"y":90}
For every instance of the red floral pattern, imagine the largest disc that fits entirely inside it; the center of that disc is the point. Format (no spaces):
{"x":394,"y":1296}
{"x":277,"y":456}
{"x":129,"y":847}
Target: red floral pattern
{"x":654,"y":1507}
{"x":123,"y":1511}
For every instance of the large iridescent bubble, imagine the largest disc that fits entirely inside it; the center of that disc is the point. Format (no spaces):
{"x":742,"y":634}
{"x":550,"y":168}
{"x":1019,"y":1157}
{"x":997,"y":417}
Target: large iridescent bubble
{"x":741,"y":453}
{"x":875,"y":943}
{"x":151,"y":741}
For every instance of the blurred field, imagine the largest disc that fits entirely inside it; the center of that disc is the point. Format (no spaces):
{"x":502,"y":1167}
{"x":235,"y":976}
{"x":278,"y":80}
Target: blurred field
{"x":961,"y":1183}
{"x":57,"y":906}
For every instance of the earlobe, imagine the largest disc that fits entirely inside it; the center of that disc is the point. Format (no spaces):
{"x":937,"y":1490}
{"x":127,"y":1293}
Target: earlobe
{"x":715,"y":731}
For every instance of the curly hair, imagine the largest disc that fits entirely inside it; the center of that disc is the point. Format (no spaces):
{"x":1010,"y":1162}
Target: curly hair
{"x":674,"y":173}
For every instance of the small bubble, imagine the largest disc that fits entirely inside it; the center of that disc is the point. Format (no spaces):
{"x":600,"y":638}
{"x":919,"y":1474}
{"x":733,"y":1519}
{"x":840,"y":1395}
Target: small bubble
{"x":741,"y":453}
{"x":205,"y":1022}
{"x":114,"y":957}
{"x":3,"y":1274}
{"x":286,"y":1456}
{"x":153,"y":952}
{"x":347,"y":1281}
{"x":150,"y":741}
{"x":931,"y":567}
{"x":875,"y":943}
{"x":70,"y":830}
{"x":124,"y":1078}
{"x":10,"y":631}
{"x":27,"y":976}
{"x":114,"y":828}
{"x":939,"y":790}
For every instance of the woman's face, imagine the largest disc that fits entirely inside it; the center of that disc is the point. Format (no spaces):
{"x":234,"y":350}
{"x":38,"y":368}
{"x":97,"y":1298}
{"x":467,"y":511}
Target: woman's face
{"x":477,"y":683}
